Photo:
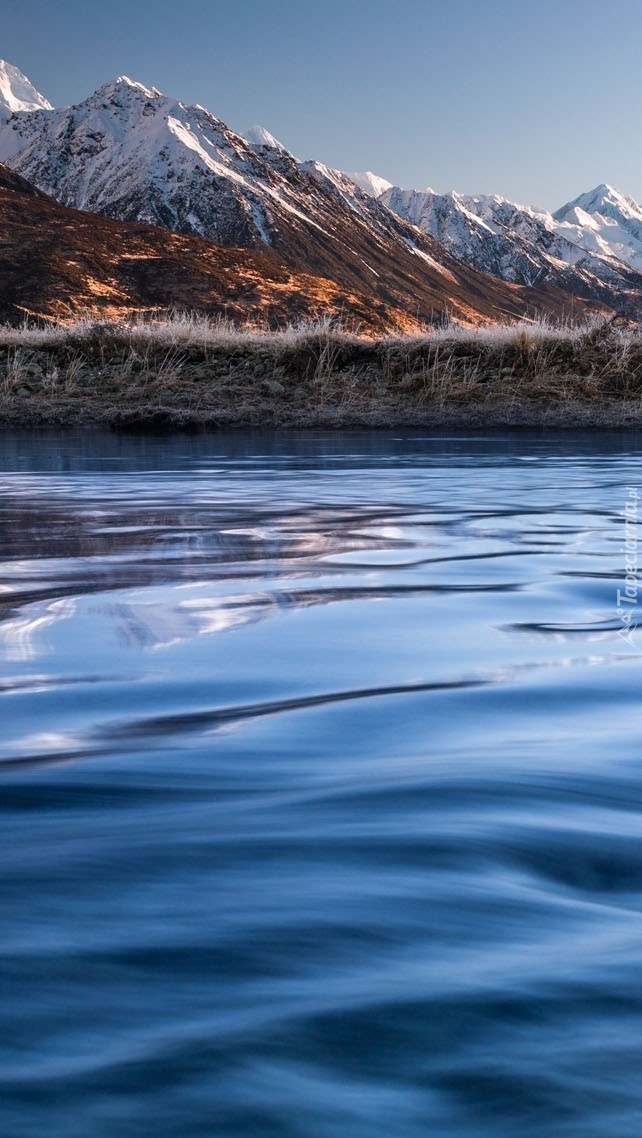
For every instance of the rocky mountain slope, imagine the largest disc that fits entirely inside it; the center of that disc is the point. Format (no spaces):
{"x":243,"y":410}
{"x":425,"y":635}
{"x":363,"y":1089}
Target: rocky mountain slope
{"x":59,"y":262}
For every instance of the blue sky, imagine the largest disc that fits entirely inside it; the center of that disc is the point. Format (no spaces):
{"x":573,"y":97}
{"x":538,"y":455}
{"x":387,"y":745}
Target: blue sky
{"x":538,"y":101}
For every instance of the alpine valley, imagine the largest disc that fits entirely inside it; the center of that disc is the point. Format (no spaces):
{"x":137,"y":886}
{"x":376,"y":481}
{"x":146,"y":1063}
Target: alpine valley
{"x":257,"y":233}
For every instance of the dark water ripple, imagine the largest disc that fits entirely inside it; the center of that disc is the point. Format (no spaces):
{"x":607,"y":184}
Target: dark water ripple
{"x":320,"y":788}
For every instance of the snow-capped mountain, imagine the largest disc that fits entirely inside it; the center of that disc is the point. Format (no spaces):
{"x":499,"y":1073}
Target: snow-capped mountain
{"x":605,"y":222}
{"x":521,"y":244}
{"x":134,"y":154}
{"x":17,"y":93}
{"x":131,"y":153}
{"x":496,"y":246}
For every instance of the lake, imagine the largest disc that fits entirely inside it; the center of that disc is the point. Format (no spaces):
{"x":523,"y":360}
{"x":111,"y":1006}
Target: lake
{"x":320,"y":785}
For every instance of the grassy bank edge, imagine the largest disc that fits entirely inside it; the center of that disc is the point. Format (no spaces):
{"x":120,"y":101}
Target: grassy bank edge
{"x":188,"y":372}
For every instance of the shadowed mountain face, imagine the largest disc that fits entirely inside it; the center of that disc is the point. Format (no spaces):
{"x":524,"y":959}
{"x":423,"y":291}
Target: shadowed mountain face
{"x":56,"y":261}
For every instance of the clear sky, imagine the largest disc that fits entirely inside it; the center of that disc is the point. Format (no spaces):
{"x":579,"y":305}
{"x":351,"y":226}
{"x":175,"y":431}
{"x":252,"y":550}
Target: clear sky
{"x":538,"y":100}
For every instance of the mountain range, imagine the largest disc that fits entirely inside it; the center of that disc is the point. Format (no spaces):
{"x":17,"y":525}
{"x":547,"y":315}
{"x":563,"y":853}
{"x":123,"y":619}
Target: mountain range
{"x":378,"y":253}
{"x":588,"y":246}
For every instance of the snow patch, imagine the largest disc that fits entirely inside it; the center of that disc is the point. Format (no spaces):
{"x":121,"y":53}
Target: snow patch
{"x":430,"y":260}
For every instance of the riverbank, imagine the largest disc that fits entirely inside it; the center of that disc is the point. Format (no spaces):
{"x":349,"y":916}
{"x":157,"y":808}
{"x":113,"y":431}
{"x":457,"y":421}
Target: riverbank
{"x":189,"y":374}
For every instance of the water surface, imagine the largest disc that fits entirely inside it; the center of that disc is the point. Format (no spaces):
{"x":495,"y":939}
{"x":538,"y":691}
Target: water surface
{"x":321,"y":787}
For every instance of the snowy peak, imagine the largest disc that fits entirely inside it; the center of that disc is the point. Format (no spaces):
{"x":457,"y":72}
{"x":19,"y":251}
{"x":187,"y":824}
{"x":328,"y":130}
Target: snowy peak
{"x":125,"y":90}
{"x":259,"y":136}
{"x":122,"y":82}
{"x":604,"y":199}
{"x":370,"y":183}
{"x":131,"y":152}
{"x":520,"y":244}
{"x":604,"y":221}
{"x":17,"y":93}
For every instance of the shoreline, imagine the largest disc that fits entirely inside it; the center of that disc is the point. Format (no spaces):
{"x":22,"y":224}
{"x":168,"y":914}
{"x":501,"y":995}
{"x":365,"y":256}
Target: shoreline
{"x":197,"y":376}
{"x":19,"y":414}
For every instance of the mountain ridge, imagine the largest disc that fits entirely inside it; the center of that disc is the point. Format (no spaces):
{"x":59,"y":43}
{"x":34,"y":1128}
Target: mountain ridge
{"x":529,"y":246}
{"x":131,"y":153}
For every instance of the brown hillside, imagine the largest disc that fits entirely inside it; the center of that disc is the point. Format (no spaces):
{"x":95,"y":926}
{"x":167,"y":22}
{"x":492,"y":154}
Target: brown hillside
{"x":56,"y":261}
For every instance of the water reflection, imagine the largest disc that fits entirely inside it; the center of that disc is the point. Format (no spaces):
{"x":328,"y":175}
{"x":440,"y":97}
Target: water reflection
{"x":321,"y":787}
{"x":161,"y":624}
{"x":21,"y":637}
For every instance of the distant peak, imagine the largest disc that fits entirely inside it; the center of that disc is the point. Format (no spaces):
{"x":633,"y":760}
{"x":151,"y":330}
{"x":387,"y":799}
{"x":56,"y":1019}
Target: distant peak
{"x":370,"y":183}
{"x":604,"y":192}
{"x":259,"y":136}
{"x":17,"y":93}
{"x":123,"y":82}
{"x":596,"y":199}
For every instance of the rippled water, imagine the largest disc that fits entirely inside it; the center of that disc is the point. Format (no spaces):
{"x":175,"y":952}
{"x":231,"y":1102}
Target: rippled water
{"x":321,"y":787}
